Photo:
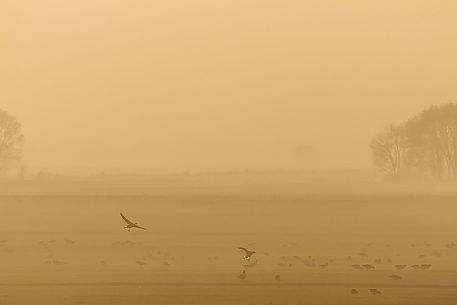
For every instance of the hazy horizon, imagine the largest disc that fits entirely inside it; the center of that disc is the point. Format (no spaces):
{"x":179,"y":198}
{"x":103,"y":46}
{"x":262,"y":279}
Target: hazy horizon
{"x":228,"y":152}
{"x":219,"y":85}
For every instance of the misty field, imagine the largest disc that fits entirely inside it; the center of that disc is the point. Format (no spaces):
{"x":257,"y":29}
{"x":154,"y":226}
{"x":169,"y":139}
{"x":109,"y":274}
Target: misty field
{"x":311,"y":249}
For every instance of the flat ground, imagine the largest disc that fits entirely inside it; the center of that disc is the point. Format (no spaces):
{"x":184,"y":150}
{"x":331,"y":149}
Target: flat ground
{"x":72,"y":249}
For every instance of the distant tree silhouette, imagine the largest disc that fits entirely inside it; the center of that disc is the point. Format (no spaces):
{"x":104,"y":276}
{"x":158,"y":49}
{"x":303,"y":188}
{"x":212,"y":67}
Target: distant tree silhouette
{"x":11,"y":142}
{"x":389,"y":149}
{"x":425,"y":145}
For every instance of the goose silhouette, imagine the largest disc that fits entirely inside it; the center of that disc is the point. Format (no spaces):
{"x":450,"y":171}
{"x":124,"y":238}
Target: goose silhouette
{"x":248,"y":253}
{"x":130,"y":224}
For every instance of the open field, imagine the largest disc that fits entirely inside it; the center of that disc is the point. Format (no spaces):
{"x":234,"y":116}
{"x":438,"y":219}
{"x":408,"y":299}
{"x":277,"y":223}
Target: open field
{"x":72,"y":249}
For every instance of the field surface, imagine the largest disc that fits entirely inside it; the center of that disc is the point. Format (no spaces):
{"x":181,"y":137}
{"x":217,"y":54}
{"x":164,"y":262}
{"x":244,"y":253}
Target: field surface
{"x":72,"y":249}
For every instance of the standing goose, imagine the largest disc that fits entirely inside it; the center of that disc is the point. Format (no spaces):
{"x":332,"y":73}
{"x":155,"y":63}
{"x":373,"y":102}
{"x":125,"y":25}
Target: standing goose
{"x":243,"y":275}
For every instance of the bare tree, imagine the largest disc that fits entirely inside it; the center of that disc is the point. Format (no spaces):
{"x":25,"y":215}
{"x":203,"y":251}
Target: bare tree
{"x":433,"y":139}
{"x":426,"y":145}
{"x":11,"y":141}
{"x":389,"y":150}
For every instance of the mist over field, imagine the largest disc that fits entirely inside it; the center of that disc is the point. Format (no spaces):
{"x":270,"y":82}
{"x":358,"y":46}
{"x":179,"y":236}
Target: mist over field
{"x":219,"y":85}
{"x":228,"y":152}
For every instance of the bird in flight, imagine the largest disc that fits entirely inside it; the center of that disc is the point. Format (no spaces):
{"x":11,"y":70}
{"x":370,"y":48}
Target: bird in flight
{"x":130,"y":224}
{"x":248,"y":253}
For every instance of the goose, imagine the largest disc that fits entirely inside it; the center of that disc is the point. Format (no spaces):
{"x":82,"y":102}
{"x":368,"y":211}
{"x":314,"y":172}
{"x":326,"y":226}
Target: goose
{"x":374,"y":291}
{"x":400,"y":267}
{"x":130,"y":224}
{"x":248,"y":253}
{"x":243,"y":275}
{"x":395,"y":277}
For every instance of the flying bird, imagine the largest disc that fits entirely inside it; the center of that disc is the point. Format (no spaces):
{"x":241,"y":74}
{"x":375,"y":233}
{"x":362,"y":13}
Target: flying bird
{"x":130,"y":224}
{"x":248,"y":253}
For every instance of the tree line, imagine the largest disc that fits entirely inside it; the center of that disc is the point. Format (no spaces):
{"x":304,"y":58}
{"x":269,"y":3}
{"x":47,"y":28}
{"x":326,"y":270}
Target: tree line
{"x":425,"y":145}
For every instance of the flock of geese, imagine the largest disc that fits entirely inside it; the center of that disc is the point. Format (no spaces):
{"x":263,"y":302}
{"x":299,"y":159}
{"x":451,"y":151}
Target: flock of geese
{"x":249,"y":258}
{"x":311,"y":262}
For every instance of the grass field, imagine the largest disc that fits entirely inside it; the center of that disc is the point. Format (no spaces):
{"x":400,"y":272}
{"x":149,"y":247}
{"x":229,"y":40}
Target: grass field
{"x":72,"y":249}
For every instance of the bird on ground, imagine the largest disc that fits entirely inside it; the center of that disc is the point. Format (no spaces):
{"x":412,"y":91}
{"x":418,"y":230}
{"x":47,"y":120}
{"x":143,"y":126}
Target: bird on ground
{"x":368,"y":266}
{"x":436,"y":253}
{"x":248,"y":253}
{"x":130,"y":224}
{"x":354,"y":291}
{"x":243,"y":275}
{"x":54,"y":262}
{"x":324,"y":266}
{"x":451,"y":245}
{"x":374,"y":291}
{"x":395,"y":277}
{"x":69,"y":241}
{"x":277,"y":277}
{"x":140,"y":263}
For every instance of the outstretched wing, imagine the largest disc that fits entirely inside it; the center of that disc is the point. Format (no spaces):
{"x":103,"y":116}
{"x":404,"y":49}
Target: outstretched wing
{"x":138,"y":227}
{"x":126,"y":220}
{"x":245,"y":250}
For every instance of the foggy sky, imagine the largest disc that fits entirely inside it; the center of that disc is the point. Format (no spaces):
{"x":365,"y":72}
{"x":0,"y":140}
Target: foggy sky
{"x":145,"y":86}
